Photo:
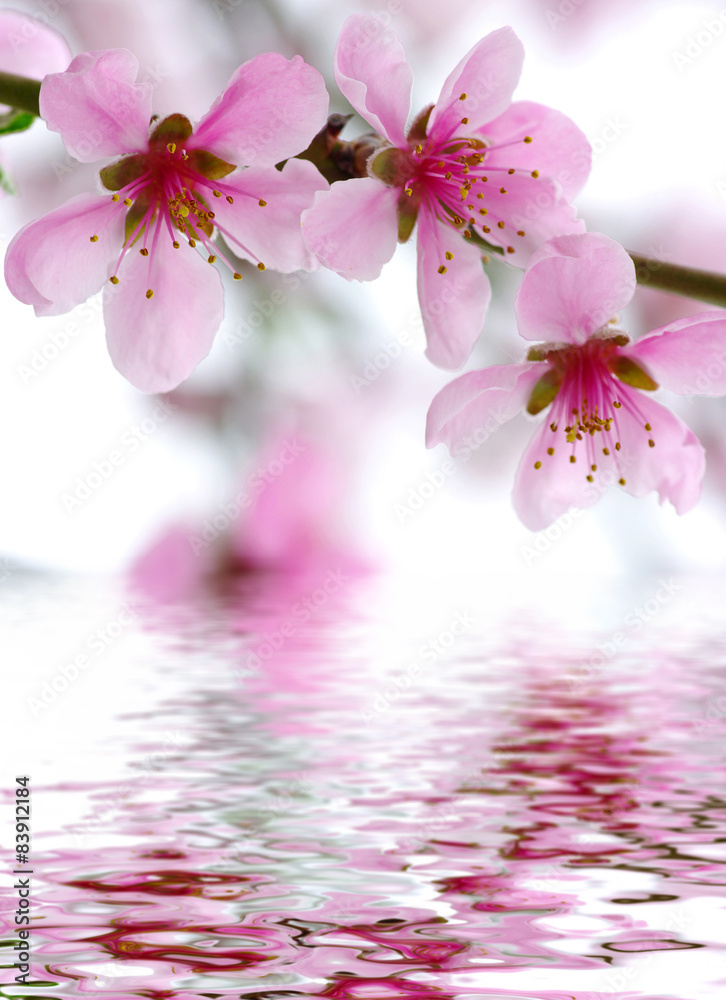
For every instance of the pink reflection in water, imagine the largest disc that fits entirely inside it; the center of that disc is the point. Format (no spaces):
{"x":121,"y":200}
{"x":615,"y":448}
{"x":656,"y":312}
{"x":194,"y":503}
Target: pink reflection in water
{"x":291,"y":846}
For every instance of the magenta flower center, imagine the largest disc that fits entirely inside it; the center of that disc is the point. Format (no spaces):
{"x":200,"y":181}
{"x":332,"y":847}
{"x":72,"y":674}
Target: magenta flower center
{"x":454,"y":176}
{"x":589,"y":388}
{"x":169,"y":193}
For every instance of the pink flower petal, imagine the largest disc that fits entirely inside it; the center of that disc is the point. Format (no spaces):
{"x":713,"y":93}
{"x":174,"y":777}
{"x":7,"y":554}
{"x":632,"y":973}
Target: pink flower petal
{"x":487,"y":74}
{"x":540,"y":496}
{"x":156,"y":343}
{"x":372,"y":72}
{"x":30,"y":48}
{"x":52,"y":264}
{"x":271,"y":233}
{"x":572,"y":287}
{"x":271,"y":109}
{"x":479,"y":402}
{"x":531,"y":206}
{"x":353,"y":227}
{"x":688,"y":356}
{"x":97,"y":107}
{"x":558,"y":150}
{"x":453,"y":304}
{"x":673,"y":467}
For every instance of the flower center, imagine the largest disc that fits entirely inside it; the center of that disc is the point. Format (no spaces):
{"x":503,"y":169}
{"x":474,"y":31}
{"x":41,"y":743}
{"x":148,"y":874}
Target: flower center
{"x":457,"y":178}
{"x":588,"y":387}
{"x":167,"y":192}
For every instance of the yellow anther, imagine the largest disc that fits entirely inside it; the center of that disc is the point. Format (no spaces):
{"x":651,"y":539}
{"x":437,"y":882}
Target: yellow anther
{"x":467,"y":234}
{"x":113,"y":279}
{"x":442,"y":269}
{"x":651,"y":443}
{"x":94,"y":239}
{"x":502,"y":190}
{"x":211,"y":258}
{"x":550,"y":451}
{"x":484,"y":180}
{"x":616,"y":404}
{"x":447,"y":175}
{"x":149,"y":293}
{"x":464,"y":121}
{"x":617,"y":446}
{"x":462,"y":97}
{"x":418,"y":149}
{"x":572,"y":459}
{"x":184,"y":210}
{"x":589,"y":478}
{"x":237,"y":277}
{"x":483,"y":211}
{"x":144,"y":252}
{"x":260,"y":266}
{"x":171,"y":146}
{"x":217,"y":194}
{"x":409,"y":191}
{"x":622,"y":482}
{"x":594,"y":468}
{"x":449,"y":255}
{"x":175,"y":244}
{"x":192,"y":243}
{"x":648,"y":427}
{"x":538,"y":465}
{"x":535,"y":173}
{"x":527,"y":138}
{"x":606,"y":451}
{"x":511,"y":250}
{"x":127,"y":202}
{"x":521,"y":232}
{"x":500,"y":225}
{"x":230,"y":199}
{"x":262,"y":202}
{"x":511,"y":170}
{"x":486,"y":229}
{"x":553,"y":426}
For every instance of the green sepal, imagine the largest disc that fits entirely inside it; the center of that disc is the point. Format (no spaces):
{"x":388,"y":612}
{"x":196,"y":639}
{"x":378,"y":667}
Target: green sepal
{"x":391,"y":165}
{"x":627,"y":371}
{"x":134,"y":216}
{"x":124,"y":171}
{"x":15,"y":121}
{"x":6,"y":183}
{"x":537,"y":354}
{"x":407,"y":212}
{"x":208,"y":165}
{"x":417,"y":132}
{"x":545,"y":391}
{"x":175,"y":128}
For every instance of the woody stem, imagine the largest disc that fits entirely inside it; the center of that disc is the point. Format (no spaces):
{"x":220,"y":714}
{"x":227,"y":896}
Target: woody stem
{"x":706,"y":286}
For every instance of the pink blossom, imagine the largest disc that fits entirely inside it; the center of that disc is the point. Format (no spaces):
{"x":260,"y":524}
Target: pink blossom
{"x":473,"y":164}
{"x":602,"y":426}
{"x":30,"y":48}
{"x":174,"y":186}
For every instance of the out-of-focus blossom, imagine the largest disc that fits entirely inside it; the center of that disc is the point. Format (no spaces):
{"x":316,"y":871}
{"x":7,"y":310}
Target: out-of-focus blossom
{"x":173,"y":188}
{"x":602,"y":427}
{"x":472,"y":167}
{"x":28,"y":47}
